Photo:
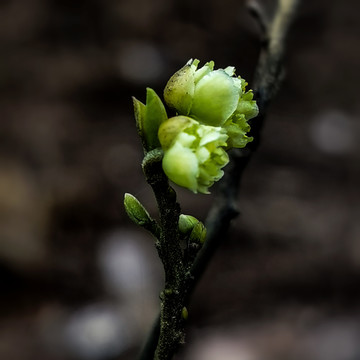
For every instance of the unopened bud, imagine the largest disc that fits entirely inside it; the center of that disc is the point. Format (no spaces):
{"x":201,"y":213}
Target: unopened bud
{"x":136,"y":211}
{"x":198,"y":233}
{"x":187,"y":223}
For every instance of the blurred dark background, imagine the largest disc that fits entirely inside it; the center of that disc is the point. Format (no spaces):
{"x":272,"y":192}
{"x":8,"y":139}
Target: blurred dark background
{"x":78,"y":280}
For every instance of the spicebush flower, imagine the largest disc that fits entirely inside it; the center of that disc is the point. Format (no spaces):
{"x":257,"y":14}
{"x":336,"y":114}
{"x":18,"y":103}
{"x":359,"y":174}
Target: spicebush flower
{"x":213,"y":109}
{"x":193,"y":153}
{"x":213,"y":97}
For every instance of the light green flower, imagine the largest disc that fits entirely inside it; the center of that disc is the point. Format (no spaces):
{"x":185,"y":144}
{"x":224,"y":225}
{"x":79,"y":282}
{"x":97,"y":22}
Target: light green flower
{"x":213,"y":97}
{"x":207,"y":95}
{"x":193,"y":153}
{"x":213,"y":109}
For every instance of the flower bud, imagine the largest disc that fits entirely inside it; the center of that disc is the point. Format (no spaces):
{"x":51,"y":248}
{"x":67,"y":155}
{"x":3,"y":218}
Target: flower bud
{"x":187,"y":223}
{"x":193,"y":153}
{"x":136,"y":211}
{"x":184,"y":313}
{"x":190,"y":225}
{"x":198,"y":233}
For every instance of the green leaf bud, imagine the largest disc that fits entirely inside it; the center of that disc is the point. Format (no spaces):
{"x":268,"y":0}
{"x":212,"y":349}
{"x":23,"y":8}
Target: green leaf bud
{"x":184,"y":313}
{"x":148,"y":119}
{"x":136,"y":211}
{"x":155,"y":114}
{"x":193,"y":153}
{"x":140,"y":110}
{"x":198,"y":233}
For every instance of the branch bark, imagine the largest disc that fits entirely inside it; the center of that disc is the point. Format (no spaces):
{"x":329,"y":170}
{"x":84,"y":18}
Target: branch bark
{"x":268,"y":77}
{"x":171,"y":328}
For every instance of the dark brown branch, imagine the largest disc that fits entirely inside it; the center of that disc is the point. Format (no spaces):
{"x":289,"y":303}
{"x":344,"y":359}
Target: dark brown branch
{"x":268,"y":76}
{"x":171,"y":330}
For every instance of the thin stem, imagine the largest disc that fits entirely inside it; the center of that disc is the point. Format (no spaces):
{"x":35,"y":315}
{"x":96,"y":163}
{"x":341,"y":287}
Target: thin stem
{"x":171,"y":329}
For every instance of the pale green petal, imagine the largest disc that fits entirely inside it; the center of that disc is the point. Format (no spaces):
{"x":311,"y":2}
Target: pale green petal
{"x":170,"y":129}
{"x":230,"y":70}
{"x":238,"y":83}
{"x":179,"y":90}
{"x":215,"y":98}
{"x":202,"y":154}
{"x":200,"y":73}
{"x":236,"y":129}
{"x":180,"y":165}
{"x":247,"y":106}
{"x":185,"y":139}
{"x":217,"y":135}
{"x":196,"y":155}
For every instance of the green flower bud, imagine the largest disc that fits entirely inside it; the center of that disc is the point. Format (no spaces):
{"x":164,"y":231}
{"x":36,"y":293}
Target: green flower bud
{"x":136,"y":211}
{"x":198,"y":233}
{"x":187,"y":223}
{"x":184,"y":313}
{"x":193,"y":153}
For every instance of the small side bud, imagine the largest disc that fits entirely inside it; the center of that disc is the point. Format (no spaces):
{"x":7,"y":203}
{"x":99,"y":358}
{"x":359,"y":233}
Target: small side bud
{"x":198,"y":233}
{"x":184,"y":313}
{"x":187,"y":223}
{"x":136,"y":211}
{"x":168,"y":292}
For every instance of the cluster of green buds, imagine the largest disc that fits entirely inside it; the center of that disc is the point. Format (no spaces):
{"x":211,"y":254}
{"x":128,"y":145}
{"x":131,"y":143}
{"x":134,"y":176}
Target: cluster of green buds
{"x":212,"y":112}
